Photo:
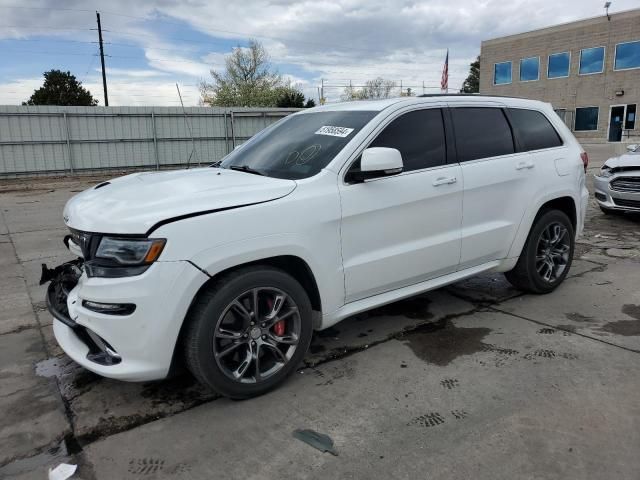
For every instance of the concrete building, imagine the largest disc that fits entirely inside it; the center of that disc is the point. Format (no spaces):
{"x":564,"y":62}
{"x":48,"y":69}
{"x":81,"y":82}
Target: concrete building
{"x":588,"y":70}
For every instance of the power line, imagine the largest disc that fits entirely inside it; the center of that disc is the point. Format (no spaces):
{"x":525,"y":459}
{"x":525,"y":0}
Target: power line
{"x":84,"y":77}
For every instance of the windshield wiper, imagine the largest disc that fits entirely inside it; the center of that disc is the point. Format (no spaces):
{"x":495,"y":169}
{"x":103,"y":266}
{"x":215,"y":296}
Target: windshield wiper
{"x":248,"y":169}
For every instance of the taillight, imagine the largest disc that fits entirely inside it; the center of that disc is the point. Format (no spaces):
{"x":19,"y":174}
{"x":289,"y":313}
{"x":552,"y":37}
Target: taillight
{"x":585,"y":160}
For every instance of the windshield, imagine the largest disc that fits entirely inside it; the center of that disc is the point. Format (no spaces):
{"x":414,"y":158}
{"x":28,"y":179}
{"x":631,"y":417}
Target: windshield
{"x":299,"y":146}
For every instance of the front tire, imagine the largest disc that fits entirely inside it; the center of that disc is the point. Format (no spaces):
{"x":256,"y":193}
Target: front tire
{"x":547,"y":254}
{"x":248,"y":331}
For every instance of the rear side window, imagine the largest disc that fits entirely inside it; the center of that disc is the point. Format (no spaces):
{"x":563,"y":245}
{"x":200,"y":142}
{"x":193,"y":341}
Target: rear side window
{"x":481,"y":133}
{"x":419,"y":135}
{"x":533,"y":131}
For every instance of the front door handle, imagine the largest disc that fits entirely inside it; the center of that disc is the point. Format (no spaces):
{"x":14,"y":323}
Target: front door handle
{"x":444,"y":181}
{"x":523,"y":165}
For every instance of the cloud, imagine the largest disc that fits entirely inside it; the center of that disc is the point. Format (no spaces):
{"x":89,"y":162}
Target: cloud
{"x":124,"y":72}
{"x":332,"y":41}
{"x":144,"y":93}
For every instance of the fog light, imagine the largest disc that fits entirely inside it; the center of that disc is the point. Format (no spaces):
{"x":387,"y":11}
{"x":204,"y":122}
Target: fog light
{"x":109,"y":308}
{"x":600,"y":196}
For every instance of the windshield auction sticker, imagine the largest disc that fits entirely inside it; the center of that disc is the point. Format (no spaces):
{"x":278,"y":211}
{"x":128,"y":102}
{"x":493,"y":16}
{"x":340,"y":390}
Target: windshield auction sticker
{"x":334,"y":131}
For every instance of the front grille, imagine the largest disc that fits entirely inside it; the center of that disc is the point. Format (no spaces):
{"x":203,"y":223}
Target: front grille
{"x":627,"y":203}
{"x":626,"y":184}
{"x":87,"y":241}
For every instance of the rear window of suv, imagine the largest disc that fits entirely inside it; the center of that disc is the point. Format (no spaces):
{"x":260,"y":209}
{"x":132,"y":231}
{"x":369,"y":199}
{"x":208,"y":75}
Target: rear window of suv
{"x":533,"y":130}
{"x":481,"y":132}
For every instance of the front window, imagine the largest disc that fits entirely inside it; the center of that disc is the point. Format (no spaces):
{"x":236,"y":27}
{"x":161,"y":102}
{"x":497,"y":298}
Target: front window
{"x":558,"y":65}
{"x":299,"y":146}
{"x":502,"y":73}
{"x":591,"y":60}
{"x":627,"y":56}
{"x":529,"y":69}
{"x":586,"y":119}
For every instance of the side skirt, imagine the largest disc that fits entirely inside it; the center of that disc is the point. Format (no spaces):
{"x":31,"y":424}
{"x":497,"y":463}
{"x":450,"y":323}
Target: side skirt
{"x":399,"y":294}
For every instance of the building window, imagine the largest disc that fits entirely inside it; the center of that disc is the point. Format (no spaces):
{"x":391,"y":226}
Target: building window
{"x":591,"y":60}
{"x":529,"y":69}
{"x":630,"y":118}
{"x":502,"y":73}
{"x":627,"y":56}
{"x":586,"y":119}
{"x":558,"y":66}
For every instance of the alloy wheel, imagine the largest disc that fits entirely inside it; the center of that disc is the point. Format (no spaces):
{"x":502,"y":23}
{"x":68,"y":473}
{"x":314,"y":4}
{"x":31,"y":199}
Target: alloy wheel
{"x":256,"y":335}
{"x":552,"y":253}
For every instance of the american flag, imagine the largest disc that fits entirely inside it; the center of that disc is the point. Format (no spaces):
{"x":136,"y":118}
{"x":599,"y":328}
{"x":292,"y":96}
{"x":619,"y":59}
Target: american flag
{"x":444,"y":83}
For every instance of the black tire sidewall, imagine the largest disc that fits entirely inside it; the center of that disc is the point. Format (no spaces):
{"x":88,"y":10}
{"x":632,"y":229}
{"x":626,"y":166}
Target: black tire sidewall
{"x":546,"y":218}
{"x":207,"y":318}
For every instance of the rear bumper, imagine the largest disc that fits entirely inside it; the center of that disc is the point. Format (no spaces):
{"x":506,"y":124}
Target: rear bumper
{"x":613,"y":199}
{"x":134,"y":347}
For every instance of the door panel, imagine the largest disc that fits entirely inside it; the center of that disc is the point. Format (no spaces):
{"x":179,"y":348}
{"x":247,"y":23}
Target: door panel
{"x":499,"y":189}
{"x":496,"y":192}
{"x":401,"y":230}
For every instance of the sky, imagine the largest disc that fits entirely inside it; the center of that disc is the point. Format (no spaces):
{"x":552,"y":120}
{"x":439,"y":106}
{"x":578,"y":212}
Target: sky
{"x":150,"y":45}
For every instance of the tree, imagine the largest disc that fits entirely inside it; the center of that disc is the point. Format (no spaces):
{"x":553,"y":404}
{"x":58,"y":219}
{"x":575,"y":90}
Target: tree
{"x":61,"y":88}
{"x":248,"y":80}
{"x":372,"y":90}
{"x":290,"y":97}
{"x":310,"y":103}
{"x":472,"y":83}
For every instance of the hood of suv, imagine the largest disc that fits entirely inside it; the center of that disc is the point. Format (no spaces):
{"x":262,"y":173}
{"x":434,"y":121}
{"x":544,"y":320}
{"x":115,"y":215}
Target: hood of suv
{"x":135,"y":203}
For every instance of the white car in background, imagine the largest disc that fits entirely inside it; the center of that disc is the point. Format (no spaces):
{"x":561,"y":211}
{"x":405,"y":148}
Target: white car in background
{"x":617,"y":184}
{"x":329,"y":212}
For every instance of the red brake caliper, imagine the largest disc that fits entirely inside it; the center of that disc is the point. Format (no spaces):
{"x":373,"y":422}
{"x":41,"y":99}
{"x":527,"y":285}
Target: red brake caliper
{"x":278,"y":327}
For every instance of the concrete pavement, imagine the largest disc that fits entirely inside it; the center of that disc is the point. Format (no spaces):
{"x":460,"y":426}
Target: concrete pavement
{"x":473,"y":380}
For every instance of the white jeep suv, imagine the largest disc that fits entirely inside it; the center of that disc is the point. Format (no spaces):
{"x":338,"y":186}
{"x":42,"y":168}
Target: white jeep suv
{"x":331,"y":211}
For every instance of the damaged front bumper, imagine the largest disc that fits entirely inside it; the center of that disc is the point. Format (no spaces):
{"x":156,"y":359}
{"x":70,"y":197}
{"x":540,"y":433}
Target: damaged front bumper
{"x":62,"y":280}
{"x":124,"y":328}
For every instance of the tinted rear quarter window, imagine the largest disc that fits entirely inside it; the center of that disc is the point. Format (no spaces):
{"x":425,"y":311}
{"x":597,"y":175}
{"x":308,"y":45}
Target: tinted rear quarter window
{"x":533,"y":130}
{"x":481,"y":132}
{"x":419,"y":135}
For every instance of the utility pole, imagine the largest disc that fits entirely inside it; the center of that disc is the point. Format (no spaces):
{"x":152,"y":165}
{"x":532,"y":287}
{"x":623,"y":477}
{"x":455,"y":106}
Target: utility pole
{"x":104,"y":74}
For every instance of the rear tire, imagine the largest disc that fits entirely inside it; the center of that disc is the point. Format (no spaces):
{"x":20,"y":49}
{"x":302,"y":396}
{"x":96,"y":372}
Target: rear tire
{"x":547,"y":254}
{"x":242,"y":350}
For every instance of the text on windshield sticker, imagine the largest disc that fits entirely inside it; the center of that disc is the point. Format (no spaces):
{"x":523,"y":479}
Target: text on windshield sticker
{"x":334,"y":131}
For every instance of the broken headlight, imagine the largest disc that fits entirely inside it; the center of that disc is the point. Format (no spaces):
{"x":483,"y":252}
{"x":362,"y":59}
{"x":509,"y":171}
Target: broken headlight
{"x":605,"y":171}
{"x":124,"y":257}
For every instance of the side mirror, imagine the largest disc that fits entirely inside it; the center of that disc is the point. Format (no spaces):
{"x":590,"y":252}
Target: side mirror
{"x":378,"y":162}
{"x":632,"y":148}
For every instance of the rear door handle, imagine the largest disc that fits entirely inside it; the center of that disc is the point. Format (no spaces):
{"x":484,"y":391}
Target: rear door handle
{"x":444,"y":181}
{"x":523,"y":165}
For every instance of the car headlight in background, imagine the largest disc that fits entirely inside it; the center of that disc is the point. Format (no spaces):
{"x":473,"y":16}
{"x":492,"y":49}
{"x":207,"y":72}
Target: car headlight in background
{"x":605,"y":171}
{"x":124,"y":257}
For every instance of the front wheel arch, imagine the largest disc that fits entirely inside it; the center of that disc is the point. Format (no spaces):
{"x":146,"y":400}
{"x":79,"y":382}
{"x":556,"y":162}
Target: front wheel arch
{"x":291,"y":264}
{"x":199,"y":331}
